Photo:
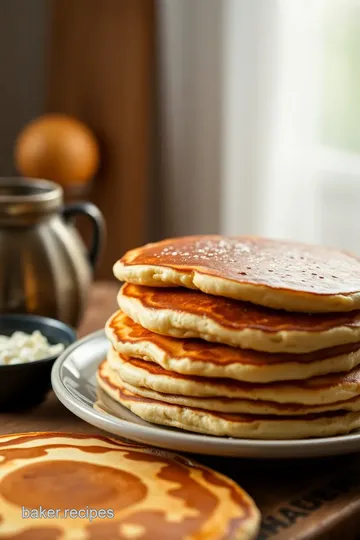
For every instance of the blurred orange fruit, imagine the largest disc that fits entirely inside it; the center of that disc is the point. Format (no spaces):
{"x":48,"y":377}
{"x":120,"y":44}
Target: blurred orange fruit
{"x":59,"y":148}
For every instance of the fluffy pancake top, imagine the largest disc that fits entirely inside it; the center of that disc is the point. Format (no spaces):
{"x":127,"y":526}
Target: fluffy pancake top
{"x":337,"y":382}
{"x":255,"y":426}
{"x":123,"y":331}
{"x":237,"y":315}
{"x":266,"y":271}
{"x":112,"y":380}
{"x":136,"y":482}
{"x":181,"y":313}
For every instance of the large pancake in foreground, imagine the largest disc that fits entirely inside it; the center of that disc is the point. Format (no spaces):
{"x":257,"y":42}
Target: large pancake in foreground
{"x":182,"y":313}
{"x":273,"y":273}
{"x":320,"y":390}
{"x":199,"y":357}
{"x":152,"y":493}
{"x":111,"y":381}
{"x":245,"y":426}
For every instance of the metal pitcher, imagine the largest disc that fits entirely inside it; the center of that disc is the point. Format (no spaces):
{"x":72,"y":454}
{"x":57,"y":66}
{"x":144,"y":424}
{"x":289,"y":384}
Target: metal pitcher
{"x":45,"y":267}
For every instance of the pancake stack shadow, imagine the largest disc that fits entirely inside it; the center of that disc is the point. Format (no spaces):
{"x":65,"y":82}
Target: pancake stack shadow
{"x":240,"y":337}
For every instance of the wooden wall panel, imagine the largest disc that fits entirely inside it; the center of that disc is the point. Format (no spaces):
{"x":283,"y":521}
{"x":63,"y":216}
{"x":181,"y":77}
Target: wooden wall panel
{"x":101,"y":70}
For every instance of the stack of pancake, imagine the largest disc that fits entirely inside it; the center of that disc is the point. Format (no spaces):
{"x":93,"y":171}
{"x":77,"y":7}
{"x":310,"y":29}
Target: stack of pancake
{"x":237,"y":336}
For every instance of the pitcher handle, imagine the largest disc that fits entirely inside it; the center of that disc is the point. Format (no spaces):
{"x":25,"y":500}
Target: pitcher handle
{"x":98,"y":226}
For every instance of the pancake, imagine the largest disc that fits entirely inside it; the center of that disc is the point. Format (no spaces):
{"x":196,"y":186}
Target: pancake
{"x":273,"y":273}
{"x":182,"y":313}
{"x":151,"y":493}
{"x":248,"y":426}
{"x":321,"y":390}
{"x":198,"y":357}
{"x":112,"y":383}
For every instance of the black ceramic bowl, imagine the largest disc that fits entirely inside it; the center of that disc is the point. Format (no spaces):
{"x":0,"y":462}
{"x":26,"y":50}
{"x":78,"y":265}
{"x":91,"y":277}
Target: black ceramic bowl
{"x":25,"y":385}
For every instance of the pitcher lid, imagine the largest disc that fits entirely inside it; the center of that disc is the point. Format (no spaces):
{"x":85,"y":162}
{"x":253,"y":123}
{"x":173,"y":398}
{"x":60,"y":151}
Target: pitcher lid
{"x":20,"y":196}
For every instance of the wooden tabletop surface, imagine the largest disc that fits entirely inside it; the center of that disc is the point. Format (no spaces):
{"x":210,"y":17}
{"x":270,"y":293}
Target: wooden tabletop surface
{"x":300,"y":499}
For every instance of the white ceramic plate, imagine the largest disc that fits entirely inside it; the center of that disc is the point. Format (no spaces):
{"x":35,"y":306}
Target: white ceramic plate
{"x":73,"y":380}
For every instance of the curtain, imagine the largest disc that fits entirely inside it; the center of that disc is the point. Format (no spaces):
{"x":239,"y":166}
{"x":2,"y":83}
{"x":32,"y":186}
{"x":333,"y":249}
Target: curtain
{"x":259,"y":106}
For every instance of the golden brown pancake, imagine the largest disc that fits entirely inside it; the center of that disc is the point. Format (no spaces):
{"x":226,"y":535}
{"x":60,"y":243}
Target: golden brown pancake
{"x":274,"y":273}
{"x":136,"y":492}
{"x":320,"y":390}
{"x":248,"y":426}
{"x":199,"y":357}
{"x":112,"y":382}
{"x":182,"y":313}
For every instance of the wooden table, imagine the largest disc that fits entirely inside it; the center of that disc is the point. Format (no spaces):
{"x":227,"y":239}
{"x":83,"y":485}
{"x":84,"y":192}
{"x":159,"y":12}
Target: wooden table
{"x":299,"y":499}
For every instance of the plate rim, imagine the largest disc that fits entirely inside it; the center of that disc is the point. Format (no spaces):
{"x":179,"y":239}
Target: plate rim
{"x":303,"y":448}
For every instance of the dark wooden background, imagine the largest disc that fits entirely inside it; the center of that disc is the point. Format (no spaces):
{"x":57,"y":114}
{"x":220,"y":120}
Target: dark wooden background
{"x":101,"y":64}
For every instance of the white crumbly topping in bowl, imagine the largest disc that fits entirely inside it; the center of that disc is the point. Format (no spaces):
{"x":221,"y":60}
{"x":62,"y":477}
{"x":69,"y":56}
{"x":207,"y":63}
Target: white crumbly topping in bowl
{"x":22,"y":348}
